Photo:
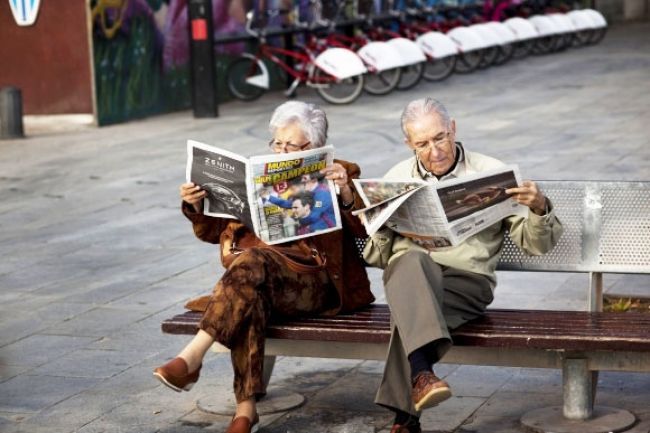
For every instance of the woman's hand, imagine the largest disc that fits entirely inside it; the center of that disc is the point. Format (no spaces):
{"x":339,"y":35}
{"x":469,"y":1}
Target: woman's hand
{"x":339,"y":175}
{"x":194,"y":195}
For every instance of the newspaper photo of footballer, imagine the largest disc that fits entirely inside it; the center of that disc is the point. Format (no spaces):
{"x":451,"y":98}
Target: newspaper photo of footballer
{"x":300,"y":206}
{"x":466,"y":198}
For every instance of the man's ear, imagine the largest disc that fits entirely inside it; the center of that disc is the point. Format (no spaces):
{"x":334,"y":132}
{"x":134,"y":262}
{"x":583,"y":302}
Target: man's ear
{"x":453,"y":126}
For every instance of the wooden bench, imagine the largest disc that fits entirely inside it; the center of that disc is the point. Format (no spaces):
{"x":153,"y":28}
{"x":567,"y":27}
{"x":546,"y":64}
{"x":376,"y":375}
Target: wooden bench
{"x":607,"y":230}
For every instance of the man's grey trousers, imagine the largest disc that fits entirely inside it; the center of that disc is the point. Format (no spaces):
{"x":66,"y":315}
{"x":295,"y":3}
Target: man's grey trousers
{"x":425,"y":300}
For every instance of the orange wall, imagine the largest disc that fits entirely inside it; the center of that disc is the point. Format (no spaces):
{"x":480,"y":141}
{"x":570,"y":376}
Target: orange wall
{"x":49,"y":61}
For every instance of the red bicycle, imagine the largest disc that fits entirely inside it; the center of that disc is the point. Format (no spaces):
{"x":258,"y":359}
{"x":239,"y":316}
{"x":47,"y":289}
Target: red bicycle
{"x":248,"y":76}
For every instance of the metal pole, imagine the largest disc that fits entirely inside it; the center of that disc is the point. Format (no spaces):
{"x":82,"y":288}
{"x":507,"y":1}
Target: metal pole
{"x":11,"y":113}
{"x":202,"y":67}
{"x":577,"y":379}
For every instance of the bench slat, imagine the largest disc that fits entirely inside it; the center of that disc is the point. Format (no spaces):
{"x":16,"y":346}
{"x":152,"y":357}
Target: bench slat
{"x":535,"y":329}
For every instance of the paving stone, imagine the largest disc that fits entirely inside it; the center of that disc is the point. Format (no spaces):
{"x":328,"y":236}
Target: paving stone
{"x":326,"y":421}
{"x":9,"y":371}
{"x":535,"y":380}
{"x":91,"y":363}
{"x":515,"y":404}
{"x":354,"y":391}
{"x":478,"y":381}
{"x":449,"y":415}
{"x":492,"y":424}
{"x":98,"y":322}
{"x":38,"y":349}
{"x":33,"y":393}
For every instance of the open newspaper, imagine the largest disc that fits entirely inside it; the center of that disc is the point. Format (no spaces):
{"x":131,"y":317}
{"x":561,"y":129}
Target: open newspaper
{"x":442,"y":214}
{"x":281,"y":197}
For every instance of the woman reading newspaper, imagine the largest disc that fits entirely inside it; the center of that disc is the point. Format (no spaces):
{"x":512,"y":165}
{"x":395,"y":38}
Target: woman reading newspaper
{"x":317,"y":275}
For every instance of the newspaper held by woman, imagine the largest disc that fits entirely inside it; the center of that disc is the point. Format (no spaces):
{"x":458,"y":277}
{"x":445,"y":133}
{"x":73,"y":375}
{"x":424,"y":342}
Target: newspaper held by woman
{"x":281,"y":197}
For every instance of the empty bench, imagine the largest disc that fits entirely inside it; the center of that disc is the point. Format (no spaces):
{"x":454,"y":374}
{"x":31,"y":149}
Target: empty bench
{"x":607,"y":230}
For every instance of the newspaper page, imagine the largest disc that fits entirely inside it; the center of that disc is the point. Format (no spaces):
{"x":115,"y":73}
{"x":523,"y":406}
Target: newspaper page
{"x":377,"y":191}
{"x":446,"y":213}
{"x":291,"y":199}
{"x":223,"y":175}
{"x":475,"y":202}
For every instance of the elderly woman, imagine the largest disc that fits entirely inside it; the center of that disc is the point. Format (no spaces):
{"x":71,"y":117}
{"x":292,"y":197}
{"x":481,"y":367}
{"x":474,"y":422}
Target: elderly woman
{"x":258,"y":284}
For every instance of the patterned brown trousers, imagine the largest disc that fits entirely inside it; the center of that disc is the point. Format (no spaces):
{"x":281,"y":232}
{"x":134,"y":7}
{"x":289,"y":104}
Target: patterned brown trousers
{"x":257,"y":286}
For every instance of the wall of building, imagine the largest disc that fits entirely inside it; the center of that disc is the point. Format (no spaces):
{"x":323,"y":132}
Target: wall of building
{"x":50,"y":60}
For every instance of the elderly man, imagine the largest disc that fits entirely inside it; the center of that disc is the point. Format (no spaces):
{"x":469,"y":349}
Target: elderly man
{"x":432,"y":291}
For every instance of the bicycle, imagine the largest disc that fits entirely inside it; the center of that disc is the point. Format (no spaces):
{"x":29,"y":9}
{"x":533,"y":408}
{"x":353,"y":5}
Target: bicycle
{"x":382,"y":61}
{"x":336,"y":74}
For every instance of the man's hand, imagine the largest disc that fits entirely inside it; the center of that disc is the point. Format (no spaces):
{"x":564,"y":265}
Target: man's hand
{"x":529,"y":195}
{"x":194,"y":195}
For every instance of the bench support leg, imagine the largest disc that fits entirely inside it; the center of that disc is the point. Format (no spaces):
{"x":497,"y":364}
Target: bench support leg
{"x":595,"y":291}
{"x":269,"y":363}
{"x":578,"y":390}
{"x":578,"y":415}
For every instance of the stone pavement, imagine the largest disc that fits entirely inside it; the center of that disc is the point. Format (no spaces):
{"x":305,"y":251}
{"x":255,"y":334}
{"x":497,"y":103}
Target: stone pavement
{"x":95,"y":253}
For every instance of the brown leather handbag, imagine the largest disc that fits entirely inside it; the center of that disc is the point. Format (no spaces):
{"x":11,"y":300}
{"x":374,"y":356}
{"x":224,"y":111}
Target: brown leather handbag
{"x":236,"y":238}
{"x":299,"y":256}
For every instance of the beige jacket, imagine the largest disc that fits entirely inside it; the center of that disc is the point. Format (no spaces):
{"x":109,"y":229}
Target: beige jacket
{"x":534,"y":234}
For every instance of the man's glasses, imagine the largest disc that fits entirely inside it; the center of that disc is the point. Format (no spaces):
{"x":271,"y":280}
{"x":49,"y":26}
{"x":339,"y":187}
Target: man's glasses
{"x":288,"y":147}
{"x":439,"y":142}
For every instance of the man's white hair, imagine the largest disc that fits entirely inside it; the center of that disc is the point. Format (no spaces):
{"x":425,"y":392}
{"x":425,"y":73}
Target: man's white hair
{"x":311,"y":119}
{"x":420,"y":107}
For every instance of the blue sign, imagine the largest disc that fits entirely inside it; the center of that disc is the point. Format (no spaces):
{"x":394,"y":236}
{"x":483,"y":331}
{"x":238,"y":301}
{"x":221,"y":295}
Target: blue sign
{"x":25,"y":11}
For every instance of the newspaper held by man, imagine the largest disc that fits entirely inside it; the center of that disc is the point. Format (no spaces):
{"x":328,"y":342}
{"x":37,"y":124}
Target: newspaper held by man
{"x":440,"y":214}
{"x":281,"y":197}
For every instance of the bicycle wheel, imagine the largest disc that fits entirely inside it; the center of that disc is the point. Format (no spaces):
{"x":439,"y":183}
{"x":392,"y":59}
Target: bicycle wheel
{"x":411,"y":76}
{"x":237,"y":73}
{"x":490,"y":55}
{"x":337,"y":91}
{"x":545,"y":45}
{"x":381,"y":83}
{"x":505,"y":53}
{"x":439,"y":69}
{"x":523,"y":48}
{"x":468,"y":62}
{"x":581,"y":38}
{"x":597,"y":35}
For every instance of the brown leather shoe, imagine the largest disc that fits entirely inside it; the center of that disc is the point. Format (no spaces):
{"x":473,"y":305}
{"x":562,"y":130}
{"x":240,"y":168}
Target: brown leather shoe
{"x":409,"y":428}
{"x":429,"y":390}
{"x":242,"y":424}
{"x":174,"y":374}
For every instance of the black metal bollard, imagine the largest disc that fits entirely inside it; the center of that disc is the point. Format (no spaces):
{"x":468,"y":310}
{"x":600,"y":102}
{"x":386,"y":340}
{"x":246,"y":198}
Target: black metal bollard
{"x":202,"y":67}
{"x":11,"y":113}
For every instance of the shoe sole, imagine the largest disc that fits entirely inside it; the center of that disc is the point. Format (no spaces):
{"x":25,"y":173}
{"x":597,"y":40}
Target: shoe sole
{"x":164,"y":381}
{"x":433,"y":398}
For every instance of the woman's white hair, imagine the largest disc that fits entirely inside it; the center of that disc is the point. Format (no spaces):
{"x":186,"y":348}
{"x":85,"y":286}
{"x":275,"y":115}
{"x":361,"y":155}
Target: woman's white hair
{"x":419,"y":107}
{"x":311,"y":118}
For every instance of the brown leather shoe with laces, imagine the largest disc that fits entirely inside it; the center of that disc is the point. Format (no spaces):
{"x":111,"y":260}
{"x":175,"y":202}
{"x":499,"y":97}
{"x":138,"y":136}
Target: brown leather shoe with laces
{"x":429,"y":390}
{"x":174,"y":374}
{"x":408,"y":428}
{"x":242,"y":424}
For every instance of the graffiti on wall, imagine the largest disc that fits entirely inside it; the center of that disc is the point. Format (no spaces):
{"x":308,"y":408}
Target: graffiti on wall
{"x":141,"y":54}
{"x":141,"y":50}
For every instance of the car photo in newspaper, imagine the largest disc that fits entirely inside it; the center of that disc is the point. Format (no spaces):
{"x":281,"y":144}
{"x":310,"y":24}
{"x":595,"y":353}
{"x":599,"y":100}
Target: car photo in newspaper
{"x":293,"y":199}
{"x":222,"y":174}
{"x":475,"y":202}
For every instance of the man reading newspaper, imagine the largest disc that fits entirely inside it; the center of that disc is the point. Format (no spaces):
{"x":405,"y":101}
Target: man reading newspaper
{"x":432,"y":290}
